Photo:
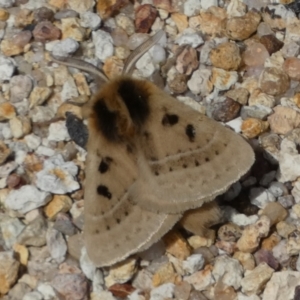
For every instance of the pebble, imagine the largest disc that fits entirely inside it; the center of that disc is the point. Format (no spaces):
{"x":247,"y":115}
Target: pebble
{"x":20,"y":88}
{"x":201,"y":279}
{"x":58,"y":132}
{"x":23,"y":254}
{"x":193,"y":263}
{"x":228,"y":270}
{"x":233,"y":216}
{"x":253,"y":127}
{"x":255,"y":112}
{"x":189,"y":37}
{"x":59,"y":204}
{"x":57,"y":177}
{"x":226,"y":56}
{"x":222,"y":79}
{"x":229,"y":232}
{"x":34,"y":234}
{"x":255,"y":54}
{"x":240,"y":28}
{"x":10,"y":229}
{"x":56,"y":245}
{"x":275,"y":212}
{"x":255,"y":280}
{"x":103,"y":44}
{"x":9,"y":268}
{"x":293,"y":243}
{"x":266,"y":256}
{"x":65,"y":47}
{"x":7,"y":111}
{"x":71,"y":29}
{"x":4,"y":152}
{"x":261,"y":197}
{"x":90,"y":20}
{"x":280,"y":252}
{"x":33,"y":296}
{"x":27,"y":198}
{"x":69,"y":89}
{"x":176,"y":245}
{"x":19,"y":126}
{"x":145,"y":16}
{"x":39,"y":95}
{"x":163,"y":291}
{"x":186,"y":61}
{"x":289,"y":161}
{"x":71,"y":286}
{"x":226,"y":110}
{"x":121,"y":272}
{"x":283,"y":120}
{"x":164,"y":274}
{"x":274,"y":81}
{"x":245,"y":259}
{"x":7,"y":68}
{"x":46,"y":31}
{"x":282,"y":285}
{"x":200,"y":82}
{"x":252,"y":234}
{"x":262,"y":99}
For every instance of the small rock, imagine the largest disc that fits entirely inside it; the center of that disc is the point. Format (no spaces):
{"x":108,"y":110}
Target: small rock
{"x":271,"y":43}
{"x":90,"y":20}
{"x":108,"y":8}
{"x":222,"y":79}
{"x":222,"y":291}
{"x":65,"y":47}
{"x":233,"y":216}
{"x":163,"y":291}
{"x":245,"y":259}
{"x":7,"y":68}
{"x":125,"y":23}
{"x":293,"y":243}
{"x":189,"y":37}
{"x":27,"y":198}
{"x":226,"y":110}
{"x":241,"y":28}
{"x":252,"y":127}
{"x":259,"y":98}
{"x":71,"y":29}
{"x":34,"y":234}
{"x":22,"y":253}
{"x":20,"y":126}
{"x":270,"y":242}
{"x":57,"y":176}
{"x":58,"y":132}
{"x":181,"y":21}
{"x":275,"y":212}
{"x":71,"y":286}
{"x":63,"y":223}
{"x":121,"y":272}
{"x":165,"y":274}
{"x":75,"y":244}
{"x":103,"y":44}
{"x":10,"y":48}
{"x":186,"y":61}
{"x":226,"y":56}
{"x":39,"y":95}
{"x":182,"y":290}
{"x":46,"y":31}
{"x":255,"y":54}
{"x":4,"y":14}
{"x":20,"y":88}
{"x":200,"y":82}
{"x":4,"y":152}
{"x":9,"y":268}
{"x":252,"y":234}
{"x":43,"y":14}
{"x":229,"y":232}
{"x":177,"y":82}
{"x":193,"y":263}
{"x":192,"y":7}
{"x":280,"y":252}
{"x":267,"y":257}
{"x":201,"y":279}
{"x":56,"y":245}
{"x":19,"y":290}
{"x":228,"y":270}
{"x":281,"y":285}
{"x":255,"y":280}
{"x":176,"y":245}
{"x":7,"y":111}
{"x":274,"y":81}
{"x":10,"y":229}
{"x":145,"y":16}
{"x":59,"y":203}
{"x":255,"y":112}
{"x":33,"y":296}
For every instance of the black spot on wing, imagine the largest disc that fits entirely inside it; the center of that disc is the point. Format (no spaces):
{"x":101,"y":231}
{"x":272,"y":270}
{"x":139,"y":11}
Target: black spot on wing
{"x":104,"y":191}
{"x":135,"y":99}
{"x":106,"y":120}
{"x":169,"y":120}
{"x":190,"y":132}
{"x":104,"y":164}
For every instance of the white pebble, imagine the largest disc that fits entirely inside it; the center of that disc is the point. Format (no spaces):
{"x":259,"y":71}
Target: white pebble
{"x":233,"y":216}
{"x":69,"y":89}
{"x":10,"y":229}
{"x":56,"y":244}
{"x":45,"y":151}
{"x":261,"y":197}
{"x":189,"y":37}
{"x":162,"y":292}
{"x":103,"y":44}
{"x":236,"y":124}
{"x":192,"y":7}
{"x":145,"y":65}
{"x":86,"y":265}
{"x":58,"y":132}
{"x":65,"y":47}
{"x":200,"y":83}
{"x":26,"y":198}
{"x":158,"y":54}
{"x":205,"y":4}
{"x":90,"y":20}
{"x":193,"y":263}
{"x":6,"y":3}
{"x":7,"y":68}
{"x":46,"y":290}
{"x":58,"y":176}
{"x":33,"y":141}
{"x":33,"y":296}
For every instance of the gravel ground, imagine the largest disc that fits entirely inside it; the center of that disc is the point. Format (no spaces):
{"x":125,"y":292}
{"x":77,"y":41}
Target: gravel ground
{"x":236,"y":61}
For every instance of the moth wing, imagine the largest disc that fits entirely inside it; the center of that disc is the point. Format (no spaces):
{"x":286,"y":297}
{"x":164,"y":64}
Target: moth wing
{"x":186,"y":158}
{"x":114,"y":226}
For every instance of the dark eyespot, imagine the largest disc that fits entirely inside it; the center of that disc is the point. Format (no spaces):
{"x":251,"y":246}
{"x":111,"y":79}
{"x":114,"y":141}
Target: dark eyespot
{"x":170,"y":169}
{"x":107,"y":228}
{"x":97,"y":231}
{"x":104,"y":165}
{"x":118,"y":221}
{"x":169,"y":120}
{"x":156,"y":173}
{"x":104,"y":191}
{"x":126,"y":213}
{"x":196,"y":163}
{"x":206,"y":159}
{"x":190,"y":132}
{"x":184,"y":166}
{"x":217,"y":152}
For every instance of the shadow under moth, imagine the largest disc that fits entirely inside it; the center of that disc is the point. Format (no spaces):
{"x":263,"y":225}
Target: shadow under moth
{"x":150,"y":159}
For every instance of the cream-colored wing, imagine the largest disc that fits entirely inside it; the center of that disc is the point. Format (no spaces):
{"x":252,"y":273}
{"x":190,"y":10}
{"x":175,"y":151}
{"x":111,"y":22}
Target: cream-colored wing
{"x":114,"y":227}
{"x":186,"y":158}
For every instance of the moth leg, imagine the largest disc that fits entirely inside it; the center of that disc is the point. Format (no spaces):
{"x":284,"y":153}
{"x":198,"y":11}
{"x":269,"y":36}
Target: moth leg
{"x":198,"y":221}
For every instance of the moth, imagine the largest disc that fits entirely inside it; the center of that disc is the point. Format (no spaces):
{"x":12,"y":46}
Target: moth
{"x":150,"y":158}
